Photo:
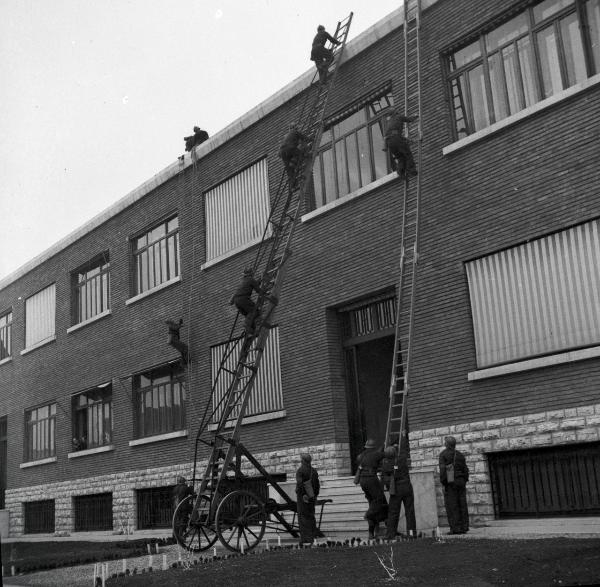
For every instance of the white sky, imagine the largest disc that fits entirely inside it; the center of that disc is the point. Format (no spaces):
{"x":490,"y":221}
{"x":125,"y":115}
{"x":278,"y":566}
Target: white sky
{"x":97,"y":95}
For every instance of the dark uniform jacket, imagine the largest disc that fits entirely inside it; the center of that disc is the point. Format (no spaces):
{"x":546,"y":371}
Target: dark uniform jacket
{"x":461,"y":471}
{"x":400,"y":476}
{"x":370,"y":460}
{"x":307,"y":473}
{"x":246,"y":286}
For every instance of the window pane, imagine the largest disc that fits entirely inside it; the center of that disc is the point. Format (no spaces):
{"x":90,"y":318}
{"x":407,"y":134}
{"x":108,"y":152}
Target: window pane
{"x":379,"y":155}
{"x":353,"y":162}
{"x":481,"y":115}
{"x":497,"y":83}
{"x":513,"y":82}
{"x":549,"y":60}
{"x":173,"y":224}
{"x":507,"y":32}
{"x":593,"y":17}
{"x":342,"y":175}
{"x":351,"y":123}
{"x":464,"y":56}
{"x":376,"y":106}
{"x":548,"y":8}
{"x":330,"y":193}
{"x":573,"y":48}
{"x":317,"y":179}
{"x":365,"y":158}
{"x":458,"y":89}
{"x":527,"y":74}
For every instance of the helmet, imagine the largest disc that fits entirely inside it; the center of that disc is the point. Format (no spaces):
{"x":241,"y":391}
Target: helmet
{"x":370,"y":443}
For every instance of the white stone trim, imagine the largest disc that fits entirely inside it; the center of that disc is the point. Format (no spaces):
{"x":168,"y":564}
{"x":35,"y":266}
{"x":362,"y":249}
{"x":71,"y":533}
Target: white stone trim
{"x":38,"y":345}
{"x":538,"y":363}
{"x":158,"y":437}
{"x":525,"y":113}
{"x":253,"y":419}
{"x":39,"y":462}
{"x":153,"y":290}
{"x":349,"y":197}
{"x":6,"y":360}
{"x":90,"y":451}
{"x":89,"y":321}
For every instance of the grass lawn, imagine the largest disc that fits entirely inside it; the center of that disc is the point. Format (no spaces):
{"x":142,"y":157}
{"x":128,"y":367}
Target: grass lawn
{"x":35,"y":556}
{"x":458,"y":562}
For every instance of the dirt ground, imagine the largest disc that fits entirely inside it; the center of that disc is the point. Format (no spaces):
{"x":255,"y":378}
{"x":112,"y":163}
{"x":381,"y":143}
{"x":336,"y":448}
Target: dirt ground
{"x":453,"y":563}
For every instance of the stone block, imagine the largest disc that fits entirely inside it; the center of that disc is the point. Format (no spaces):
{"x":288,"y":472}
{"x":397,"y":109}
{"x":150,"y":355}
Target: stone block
{"x":472,"y":436}
{"x":555,"y":414}
{"x":585,"y":411}
{"x":534,"y":418}
{"x":587,"y":435}
{"x":572,"y":424}
{"x":563,"y":437}
{"x":547,"y":427}
{"x":474,"y":426}
{"x":541,"y":440}
{"x":497,"y":423}
{"x":593,"y":420}
{"x":513,"y":421}
{"x":518,"y":443}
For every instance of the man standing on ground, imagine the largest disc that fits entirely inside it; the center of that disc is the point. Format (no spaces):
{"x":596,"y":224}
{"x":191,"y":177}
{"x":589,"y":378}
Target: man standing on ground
{"x":369,"y":462}
{"x":307,"y":491}
{"x":454,"y":475}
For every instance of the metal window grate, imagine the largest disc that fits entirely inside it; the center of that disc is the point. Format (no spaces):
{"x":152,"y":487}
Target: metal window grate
{"x":93,"y":512}
{"x":154,"y":507}
{"x":39,"y":517}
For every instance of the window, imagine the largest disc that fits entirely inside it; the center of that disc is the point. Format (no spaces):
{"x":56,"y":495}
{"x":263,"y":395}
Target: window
{"x":266,"y":392}
{"x":40,"y":429}
{"x":39,"y":516}
{"x":538,"y":298}
{"x":92,"y":418}
{"x":160,"y":401}
{"x":351,"y":152}
{"x":237,"y":211}
{"x":156,"y":256}
{"x":5,"y":335}
{"x":39,"y":317}
{"x":541,"y":51}
{"x":91,"y":285}
{"x":155,"y":507}
{"x":93,"y":512}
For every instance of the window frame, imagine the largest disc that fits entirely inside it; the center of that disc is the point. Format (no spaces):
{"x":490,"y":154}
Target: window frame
{"x":176,"y":377}
{"x":459,"y":76}
{"x":101,"y":261}
{"x":330,"y":141}
{"x":105,"y":403}
{"x":6,"y":335}
{"x":51,"y":336}
{"x":137,"y":285}
{"x":49,"y":433}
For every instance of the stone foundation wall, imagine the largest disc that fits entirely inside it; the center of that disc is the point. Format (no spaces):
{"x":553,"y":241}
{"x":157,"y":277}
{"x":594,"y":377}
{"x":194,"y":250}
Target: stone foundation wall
{"x":476,"y":439}
{"x":331,"y":460}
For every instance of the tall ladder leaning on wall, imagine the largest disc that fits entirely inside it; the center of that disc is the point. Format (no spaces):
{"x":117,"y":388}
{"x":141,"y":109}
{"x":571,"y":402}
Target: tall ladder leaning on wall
{"x":221,"y":422}
{"x":406,"y":289}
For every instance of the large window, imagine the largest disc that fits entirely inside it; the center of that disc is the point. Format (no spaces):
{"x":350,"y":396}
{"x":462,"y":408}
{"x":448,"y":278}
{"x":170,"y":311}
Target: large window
{"x":351,"y":152}
{"x":92,"y":418}
{"x":40,"y":317}
{"x":5,"y":335}
{"x":156,"y":256}
{"x":537,"y":53}
{"x":160,"y":401}
{"x":91,"y":286}
{"x":267,"y":394}
{"x":237,"y":211}
{"x":538,"y":298}
{"x":40,"y":433}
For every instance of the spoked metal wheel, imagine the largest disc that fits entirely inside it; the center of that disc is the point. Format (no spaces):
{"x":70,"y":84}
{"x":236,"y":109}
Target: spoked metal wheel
{"x":191,"y":528}
{"x":240,"y":521}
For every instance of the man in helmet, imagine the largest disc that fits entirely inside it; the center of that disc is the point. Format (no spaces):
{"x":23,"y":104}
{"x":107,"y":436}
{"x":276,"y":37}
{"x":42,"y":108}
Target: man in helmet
{"x":292,"y":151}
{"x":396,"y":479}
{"x":395,"y":142}
{"x":321,"y":55}
{"x":369,"y":462}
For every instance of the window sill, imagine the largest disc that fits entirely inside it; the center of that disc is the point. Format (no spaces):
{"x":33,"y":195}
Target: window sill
{"x":38,"y":345}
{"x":537,"y":107}
{"x":89,"y":321}
{"x":253,"y":419}
{"x":549,"y":361}
{"x":349,"y":197}
{"x":90,"y":451}
{"x":36,"y":463}
{"x":234,"y":252}
{"x":153,"y":290}
{"x":158,"y":437}
{"x":7,"y":360}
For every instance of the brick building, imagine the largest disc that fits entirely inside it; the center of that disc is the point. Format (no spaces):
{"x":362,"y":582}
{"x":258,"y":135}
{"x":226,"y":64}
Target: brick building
{"x":97,"y":415}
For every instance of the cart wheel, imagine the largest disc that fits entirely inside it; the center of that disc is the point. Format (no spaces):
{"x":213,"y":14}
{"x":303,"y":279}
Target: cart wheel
{"x":241,"y":521}
{"x":190,"y":528}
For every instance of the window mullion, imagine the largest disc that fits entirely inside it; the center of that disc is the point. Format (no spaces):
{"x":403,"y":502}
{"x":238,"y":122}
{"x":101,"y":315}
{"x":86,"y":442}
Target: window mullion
{"x":487,"y":82}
